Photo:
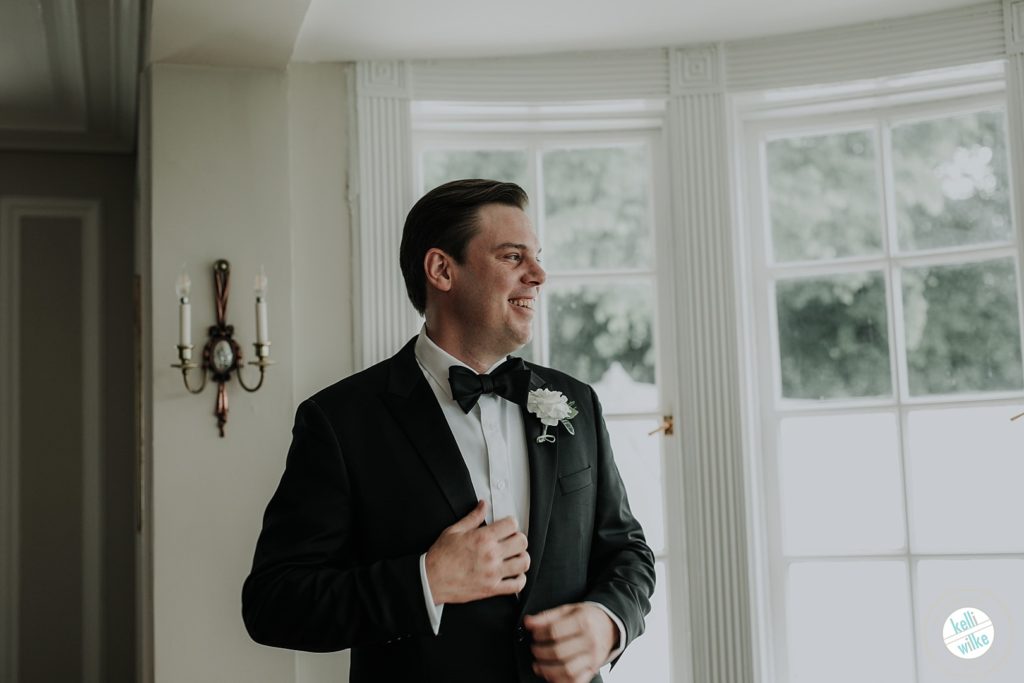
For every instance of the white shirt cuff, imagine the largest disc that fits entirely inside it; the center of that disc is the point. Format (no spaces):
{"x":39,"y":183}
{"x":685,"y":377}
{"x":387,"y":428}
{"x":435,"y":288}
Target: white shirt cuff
{"x":434,"y":611}
{"x":618,"y":625}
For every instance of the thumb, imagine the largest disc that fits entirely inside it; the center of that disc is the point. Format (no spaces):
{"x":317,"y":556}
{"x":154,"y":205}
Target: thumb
{"x":471,"y":521}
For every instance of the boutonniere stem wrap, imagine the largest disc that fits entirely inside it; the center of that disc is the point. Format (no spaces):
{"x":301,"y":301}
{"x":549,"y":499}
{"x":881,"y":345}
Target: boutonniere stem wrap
{"x":551,"y":407}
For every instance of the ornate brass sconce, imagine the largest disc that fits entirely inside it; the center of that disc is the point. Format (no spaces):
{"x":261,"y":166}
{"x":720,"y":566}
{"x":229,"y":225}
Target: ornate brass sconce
{"x":221,"y":353}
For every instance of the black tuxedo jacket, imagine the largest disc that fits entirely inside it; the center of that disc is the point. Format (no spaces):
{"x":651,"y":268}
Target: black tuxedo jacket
{"x":373,"y":477}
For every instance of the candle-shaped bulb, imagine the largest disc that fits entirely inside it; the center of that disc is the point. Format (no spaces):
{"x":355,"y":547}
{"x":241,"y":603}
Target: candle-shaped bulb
{"x":259,"y":283}
{"x":184,"y":284}
{"x":182,"y":287}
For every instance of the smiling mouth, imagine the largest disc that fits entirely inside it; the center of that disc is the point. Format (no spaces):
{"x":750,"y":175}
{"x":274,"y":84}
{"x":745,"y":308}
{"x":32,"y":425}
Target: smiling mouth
{"x":522,"y":303}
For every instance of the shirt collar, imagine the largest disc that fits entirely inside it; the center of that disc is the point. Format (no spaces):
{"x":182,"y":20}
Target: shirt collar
{"x":436,"y":361}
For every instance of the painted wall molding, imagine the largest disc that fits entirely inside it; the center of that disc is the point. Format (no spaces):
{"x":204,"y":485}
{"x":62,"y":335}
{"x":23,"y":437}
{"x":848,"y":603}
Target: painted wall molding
{"x":13,"y":210}
{"x":696,"y":69}
{"x":1014,"y":21}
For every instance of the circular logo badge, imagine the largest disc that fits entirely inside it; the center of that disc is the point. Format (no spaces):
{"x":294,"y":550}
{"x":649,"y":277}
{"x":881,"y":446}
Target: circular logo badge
{"x":968,"y":633}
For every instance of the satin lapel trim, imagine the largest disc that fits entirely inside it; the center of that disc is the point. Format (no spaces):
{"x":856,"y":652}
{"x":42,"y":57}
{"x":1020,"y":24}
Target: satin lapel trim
{"x":543,"y":459}
{"x":415,"y":408}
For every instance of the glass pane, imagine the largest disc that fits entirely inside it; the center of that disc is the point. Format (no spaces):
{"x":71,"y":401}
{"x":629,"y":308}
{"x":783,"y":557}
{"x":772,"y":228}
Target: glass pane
{"x":648,"y":658}
{"x":849,"y":622}
{"x":965,"y":467}
{"x":638,"y":457}
{"x":597,"y":208}
{"x":829,"y":466}
{"x":961,"y":328}
{"x":603,"y":335}
{"x":442,"y":165}
{"x":993,"y":586}
{"x":833,"y":336}
{"x":951,"y":180}
{"x":823,"y":196}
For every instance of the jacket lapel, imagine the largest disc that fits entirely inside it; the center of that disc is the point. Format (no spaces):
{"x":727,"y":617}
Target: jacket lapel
{"x":414,"y":407}
{"x":543,"y":458}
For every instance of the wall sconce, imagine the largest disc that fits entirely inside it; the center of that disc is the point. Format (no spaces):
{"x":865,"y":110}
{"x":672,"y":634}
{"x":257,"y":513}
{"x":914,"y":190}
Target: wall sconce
{"x":221,"y":353}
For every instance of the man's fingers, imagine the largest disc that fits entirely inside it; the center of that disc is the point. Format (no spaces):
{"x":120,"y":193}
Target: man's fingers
{"x":545,"y":619}
{"x":504,"y":527}
{"x":517,"y":564}
{"x":513,"y":545}
{"x":511,"y":585}
{"x":471,"y":521}
{"x":576,"y":669}
{"x":552,"y":652}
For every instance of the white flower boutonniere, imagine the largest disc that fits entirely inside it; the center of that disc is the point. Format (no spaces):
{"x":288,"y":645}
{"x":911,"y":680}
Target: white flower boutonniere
{"x":551,"y":407}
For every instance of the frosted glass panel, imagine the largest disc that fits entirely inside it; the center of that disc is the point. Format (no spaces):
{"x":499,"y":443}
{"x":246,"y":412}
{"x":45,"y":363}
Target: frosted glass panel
{"x":647,"y":658}
{"x":638,"y":457}
{"x":849,"y":622}
{"x":965,"y":472}
{"x":993,"y":586}
{"x":841,"y":491}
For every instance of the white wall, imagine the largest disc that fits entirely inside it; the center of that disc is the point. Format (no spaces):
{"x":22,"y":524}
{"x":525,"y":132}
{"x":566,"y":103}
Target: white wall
{"x":321,"y":278}
{"x":223,"y":183}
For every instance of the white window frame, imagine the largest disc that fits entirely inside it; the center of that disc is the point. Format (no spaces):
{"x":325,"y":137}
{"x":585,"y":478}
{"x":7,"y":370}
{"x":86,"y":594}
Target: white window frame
{"x":844,"y":107}
{"x":559,"y":126}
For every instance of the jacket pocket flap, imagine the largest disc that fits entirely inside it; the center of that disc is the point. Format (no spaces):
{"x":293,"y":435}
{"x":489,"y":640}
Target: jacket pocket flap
{"x":575,"y":481}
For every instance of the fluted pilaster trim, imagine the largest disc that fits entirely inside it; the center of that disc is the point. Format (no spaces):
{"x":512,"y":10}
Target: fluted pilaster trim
{"x":965,"y":35}
{"x":382,"y":198}
{"x":716,"y":546}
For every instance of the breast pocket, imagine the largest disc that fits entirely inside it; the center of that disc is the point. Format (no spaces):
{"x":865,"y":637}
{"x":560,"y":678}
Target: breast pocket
{"x":576,"y":480}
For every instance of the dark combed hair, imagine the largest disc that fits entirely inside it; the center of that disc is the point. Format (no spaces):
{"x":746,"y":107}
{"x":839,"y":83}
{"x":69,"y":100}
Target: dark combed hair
{"x":446,"y":218}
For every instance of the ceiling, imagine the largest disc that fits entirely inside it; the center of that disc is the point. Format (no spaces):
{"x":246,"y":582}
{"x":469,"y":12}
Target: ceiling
{"x":69,"y":68}
{"x":340,"y":30}
{"x":68,"y":74}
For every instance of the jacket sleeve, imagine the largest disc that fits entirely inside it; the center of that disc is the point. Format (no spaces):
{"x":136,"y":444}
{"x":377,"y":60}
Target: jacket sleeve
{"x":306,"y":590}
{"x":621,"y":570}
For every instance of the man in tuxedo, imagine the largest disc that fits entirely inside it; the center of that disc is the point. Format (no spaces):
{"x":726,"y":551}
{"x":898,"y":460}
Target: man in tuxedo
{"x":427,"y":518}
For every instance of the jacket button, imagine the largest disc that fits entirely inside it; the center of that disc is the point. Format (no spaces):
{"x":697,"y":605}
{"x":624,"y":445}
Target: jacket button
{"x":520,"y":634}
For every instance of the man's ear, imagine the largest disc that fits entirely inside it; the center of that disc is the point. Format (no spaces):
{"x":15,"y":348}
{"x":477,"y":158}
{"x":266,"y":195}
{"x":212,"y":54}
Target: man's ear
{"x":438,"y":267}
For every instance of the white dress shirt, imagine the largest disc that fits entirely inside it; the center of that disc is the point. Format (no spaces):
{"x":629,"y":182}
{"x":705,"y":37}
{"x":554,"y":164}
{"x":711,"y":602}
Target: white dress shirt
{"x":492,"y":440}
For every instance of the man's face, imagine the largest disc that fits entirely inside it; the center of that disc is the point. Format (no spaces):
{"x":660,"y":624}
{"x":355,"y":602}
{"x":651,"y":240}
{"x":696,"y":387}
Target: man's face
{"x":497,"y":287}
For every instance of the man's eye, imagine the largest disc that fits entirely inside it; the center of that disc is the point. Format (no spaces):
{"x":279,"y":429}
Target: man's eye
{"x":515,"y":257}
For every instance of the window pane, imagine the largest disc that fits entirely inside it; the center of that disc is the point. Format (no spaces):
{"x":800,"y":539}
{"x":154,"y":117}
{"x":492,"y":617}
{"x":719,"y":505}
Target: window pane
{"x":440,"y":166}
{"x":964,"y":472}
{"x":829,"y":466}
{"x":833,"y":336}
{"x":994,"y":586}
{"x":638,"y":457}
{"x":648,"y":658}
{"x":849,"y":622}
{"x":823,"y":196}
{"x":951,"y":180}
{"x":603,"y":335}
{"x":962,"y":332}
{"x":597,"y":208}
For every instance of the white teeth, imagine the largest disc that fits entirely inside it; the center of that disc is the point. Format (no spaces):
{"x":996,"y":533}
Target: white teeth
{"x":522,"y":303}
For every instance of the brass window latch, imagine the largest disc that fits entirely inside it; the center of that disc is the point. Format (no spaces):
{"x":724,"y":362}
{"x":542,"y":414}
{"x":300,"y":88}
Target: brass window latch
{"x":667,"y":425}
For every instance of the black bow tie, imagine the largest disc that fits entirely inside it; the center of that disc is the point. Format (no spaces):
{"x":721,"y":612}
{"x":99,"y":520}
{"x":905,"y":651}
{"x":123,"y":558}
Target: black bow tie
{"x":510,"y":380}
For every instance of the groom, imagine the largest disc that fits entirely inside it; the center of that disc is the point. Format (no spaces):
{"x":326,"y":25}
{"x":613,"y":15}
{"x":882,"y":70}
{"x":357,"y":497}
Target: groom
{"x":427,"y":518}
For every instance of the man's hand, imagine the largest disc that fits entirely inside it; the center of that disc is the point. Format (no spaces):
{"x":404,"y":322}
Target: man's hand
{"x":571,"y":642}
{"x":469,"y":562}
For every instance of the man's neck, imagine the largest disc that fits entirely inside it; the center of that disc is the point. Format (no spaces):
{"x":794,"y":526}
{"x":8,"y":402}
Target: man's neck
{"x":453,"y":346}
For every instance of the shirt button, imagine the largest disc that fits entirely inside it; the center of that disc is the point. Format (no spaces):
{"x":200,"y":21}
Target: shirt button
{"x":501,"y":485}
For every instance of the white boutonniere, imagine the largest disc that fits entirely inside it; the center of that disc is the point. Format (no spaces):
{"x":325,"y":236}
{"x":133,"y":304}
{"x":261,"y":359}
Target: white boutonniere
{"x":551,"y":407}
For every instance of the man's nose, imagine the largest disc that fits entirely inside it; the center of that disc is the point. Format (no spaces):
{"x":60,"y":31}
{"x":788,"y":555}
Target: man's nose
{"x":536,"y":275}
